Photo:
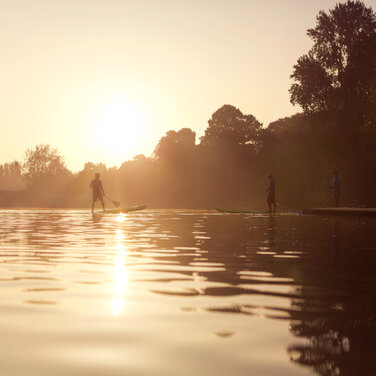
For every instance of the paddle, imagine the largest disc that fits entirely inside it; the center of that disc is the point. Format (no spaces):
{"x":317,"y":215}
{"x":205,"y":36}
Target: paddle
{"x":115,"y":203}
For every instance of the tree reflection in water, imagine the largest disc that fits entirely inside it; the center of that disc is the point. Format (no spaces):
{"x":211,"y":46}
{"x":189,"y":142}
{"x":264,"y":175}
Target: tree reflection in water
{"x":329,"y":265}
{"x":336,"y":312}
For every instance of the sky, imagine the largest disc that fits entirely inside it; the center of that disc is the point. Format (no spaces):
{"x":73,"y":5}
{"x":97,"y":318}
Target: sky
{"x":104,"y":80}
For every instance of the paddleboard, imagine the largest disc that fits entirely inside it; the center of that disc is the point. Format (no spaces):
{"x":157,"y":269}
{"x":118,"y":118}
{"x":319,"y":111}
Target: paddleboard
{"x":123,"y":210}
{"x":235,"y":211}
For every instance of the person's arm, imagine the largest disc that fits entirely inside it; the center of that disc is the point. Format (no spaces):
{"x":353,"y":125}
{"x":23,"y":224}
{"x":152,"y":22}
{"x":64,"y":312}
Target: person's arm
{"x":91,"y":184}
{"x":102,"y":190}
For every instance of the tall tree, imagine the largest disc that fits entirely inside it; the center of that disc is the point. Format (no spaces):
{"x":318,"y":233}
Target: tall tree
{"x":229,"y":126}
{"x":227,"y":155}
{"x":43,"y":162}
{"x":175,"y":157}
{"x":343,"y":58}
{"x":11,"y":176}
{"x":175,"y":147}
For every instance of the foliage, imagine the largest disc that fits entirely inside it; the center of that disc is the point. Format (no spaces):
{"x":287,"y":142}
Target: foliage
{"x":11,"y":176}
{"x":43,"y":162}
{"x":175,"y":146}
{"x":229,"y":126}
{"x":330,"y":76}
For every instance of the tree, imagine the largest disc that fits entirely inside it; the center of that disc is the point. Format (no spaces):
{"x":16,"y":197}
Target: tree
{"x":11,"y":176}
{"x":175,"y":160}
{"x":227,"y":156}
{"x":343,"y":58}
{"x":229,"y":126}
{"x":43,"y":162}
{"x":175,"y":155}
{"x":175,"y":146}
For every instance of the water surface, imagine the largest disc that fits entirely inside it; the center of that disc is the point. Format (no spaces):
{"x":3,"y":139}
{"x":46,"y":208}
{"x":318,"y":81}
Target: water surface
{"x":186,"y":293}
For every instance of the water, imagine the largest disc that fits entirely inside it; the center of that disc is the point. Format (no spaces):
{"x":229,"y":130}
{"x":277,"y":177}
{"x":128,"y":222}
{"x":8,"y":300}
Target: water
{"x":186,"y":293}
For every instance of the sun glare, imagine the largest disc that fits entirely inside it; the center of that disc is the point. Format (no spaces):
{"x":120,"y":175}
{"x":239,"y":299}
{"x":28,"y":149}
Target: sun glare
{"x":118,"y":128}
{"x":121,"y":281}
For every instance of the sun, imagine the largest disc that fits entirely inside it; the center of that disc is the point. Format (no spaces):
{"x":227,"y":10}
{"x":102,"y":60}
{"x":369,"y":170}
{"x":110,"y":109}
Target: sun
{"x":118,"y":128}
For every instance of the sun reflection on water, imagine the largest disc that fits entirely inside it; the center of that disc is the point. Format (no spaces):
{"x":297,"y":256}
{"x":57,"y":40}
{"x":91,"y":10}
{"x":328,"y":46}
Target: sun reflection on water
{"x":120,"y":218}
{"x":121,"y":280}
{"x":119,"y":235}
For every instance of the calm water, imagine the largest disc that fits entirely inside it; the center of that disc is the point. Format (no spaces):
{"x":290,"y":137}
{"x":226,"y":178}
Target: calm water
{"x":186,"y":293}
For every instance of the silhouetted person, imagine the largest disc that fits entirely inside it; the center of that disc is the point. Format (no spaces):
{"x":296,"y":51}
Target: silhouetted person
{"x":271,"y":194}
{"x":98,"y":192}
{"x":336,"y":189}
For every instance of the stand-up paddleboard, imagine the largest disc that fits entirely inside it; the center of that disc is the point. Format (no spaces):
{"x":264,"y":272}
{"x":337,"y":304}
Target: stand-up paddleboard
{"x":123,"y":210}
{"x":126,"y":210}
{"x":235,"y":211}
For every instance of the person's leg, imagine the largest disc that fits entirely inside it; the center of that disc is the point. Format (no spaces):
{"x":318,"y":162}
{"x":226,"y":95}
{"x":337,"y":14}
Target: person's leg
{"x":275,"y":206}
{"x":336,"y":199}
{"x":95,"y":198}
{"x":269,"y":204}
{"x":103,"y":205}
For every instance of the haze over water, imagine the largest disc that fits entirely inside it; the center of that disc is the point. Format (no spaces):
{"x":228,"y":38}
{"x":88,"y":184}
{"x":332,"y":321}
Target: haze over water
{"x":186,"y":293}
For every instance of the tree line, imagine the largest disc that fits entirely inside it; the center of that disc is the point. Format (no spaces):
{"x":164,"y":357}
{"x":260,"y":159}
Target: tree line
{"x":335,"y":85}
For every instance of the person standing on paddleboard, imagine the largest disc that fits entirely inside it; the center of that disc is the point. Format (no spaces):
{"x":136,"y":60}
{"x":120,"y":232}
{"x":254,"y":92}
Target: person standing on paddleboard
{"x":271,"y":194}
{"x":98,"y":192}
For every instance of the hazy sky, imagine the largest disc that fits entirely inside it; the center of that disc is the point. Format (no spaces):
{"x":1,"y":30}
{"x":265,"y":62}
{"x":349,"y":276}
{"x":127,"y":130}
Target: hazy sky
{"x":103,"y":80}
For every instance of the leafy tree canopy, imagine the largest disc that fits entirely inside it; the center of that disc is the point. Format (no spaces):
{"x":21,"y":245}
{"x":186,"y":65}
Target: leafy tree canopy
{"x":333,"y":74}
{"x":175,"y":143}
{"x":43,"y":161}
{"x":229,"y":126}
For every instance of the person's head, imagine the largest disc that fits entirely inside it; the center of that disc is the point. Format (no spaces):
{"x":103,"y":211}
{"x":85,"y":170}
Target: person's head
{"x":270,"y":176}
{"x":335,"y":173}
{"x":97,"y":176}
